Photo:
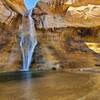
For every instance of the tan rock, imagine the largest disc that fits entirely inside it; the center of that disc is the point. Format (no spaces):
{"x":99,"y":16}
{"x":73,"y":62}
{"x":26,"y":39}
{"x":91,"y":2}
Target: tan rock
{"x":60,"y":36}
{"x":10,"y":9}
{"x":10,"y":19}
{"x":16,"y":5}
{"x":82,"y":16}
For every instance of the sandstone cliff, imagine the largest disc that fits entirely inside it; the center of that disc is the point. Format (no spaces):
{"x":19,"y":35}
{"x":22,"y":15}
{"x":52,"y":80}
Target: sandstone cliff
{"x":11,"y":12}
{"x":66,"y":32}
{"x":82,"y":16}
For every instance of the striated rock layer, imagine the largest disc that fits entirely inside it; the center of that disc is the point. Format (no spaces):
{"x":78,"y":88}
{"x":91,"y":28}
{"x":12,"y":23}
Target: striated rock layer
{"x":10,"y":18}
{"x":82,"y":16}
{"x":10,"y":11}
{"x":68,"y":33}
{"x":65,"y":34}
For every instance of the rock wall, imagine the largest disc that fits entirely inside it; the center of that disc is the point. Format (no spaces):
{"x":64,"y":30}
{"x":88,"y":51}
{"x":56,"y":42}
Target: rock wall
{"x":62,"y":35}
{"x":65,"y":30}
{"x":10,"y":11}
{"x":83,"y":16}
{"x":10,"y":18}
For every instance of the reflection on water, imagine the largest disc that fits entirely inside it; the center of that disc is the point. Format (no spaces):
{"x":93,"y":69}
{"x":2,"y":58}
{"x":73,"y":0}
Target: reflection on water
{"x":52,"y":86}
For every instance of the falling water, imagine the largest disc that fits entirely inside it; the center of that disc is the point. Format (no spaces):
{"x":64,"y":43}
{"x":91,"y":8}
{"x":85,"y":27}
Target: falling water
{"x":28,"y":40}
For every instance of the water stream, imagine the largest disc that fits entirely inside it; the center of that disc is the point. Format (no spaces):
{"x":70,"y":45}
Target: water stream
{"x":28,"y":40}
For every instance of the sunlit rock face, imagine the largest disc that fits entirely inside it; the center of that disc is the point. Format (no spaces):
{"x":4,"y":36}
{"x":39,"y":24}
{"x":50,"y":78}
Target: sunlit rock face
{"x":11,"y":12}
{"x":16,"y":5}
{"x":63,"y":29}
{"x":84,"y":16}
{"x":62,"y":5}
{"x":76,"y":16}
{"x":10,"y":9}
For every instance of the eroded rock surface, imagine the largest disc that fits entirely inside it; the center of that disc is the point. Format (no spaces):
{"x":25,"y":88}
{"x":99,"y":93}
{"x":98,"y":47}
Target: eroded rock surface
{"x":82,"y":16}
{"x":10,"y":18}
{"x":64,"y":30}
{"x":63,"y":34}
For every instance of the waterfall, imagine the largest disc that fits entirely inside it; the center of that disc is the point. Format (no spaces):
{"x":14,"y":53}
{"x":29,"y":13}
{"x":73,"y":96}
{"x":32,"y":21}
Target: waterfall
{"x":28,"y":40}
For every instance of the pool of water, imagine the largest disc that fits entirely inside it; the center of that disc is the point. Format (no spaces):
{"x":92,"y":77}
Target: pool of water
{"x":49,"y":86}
